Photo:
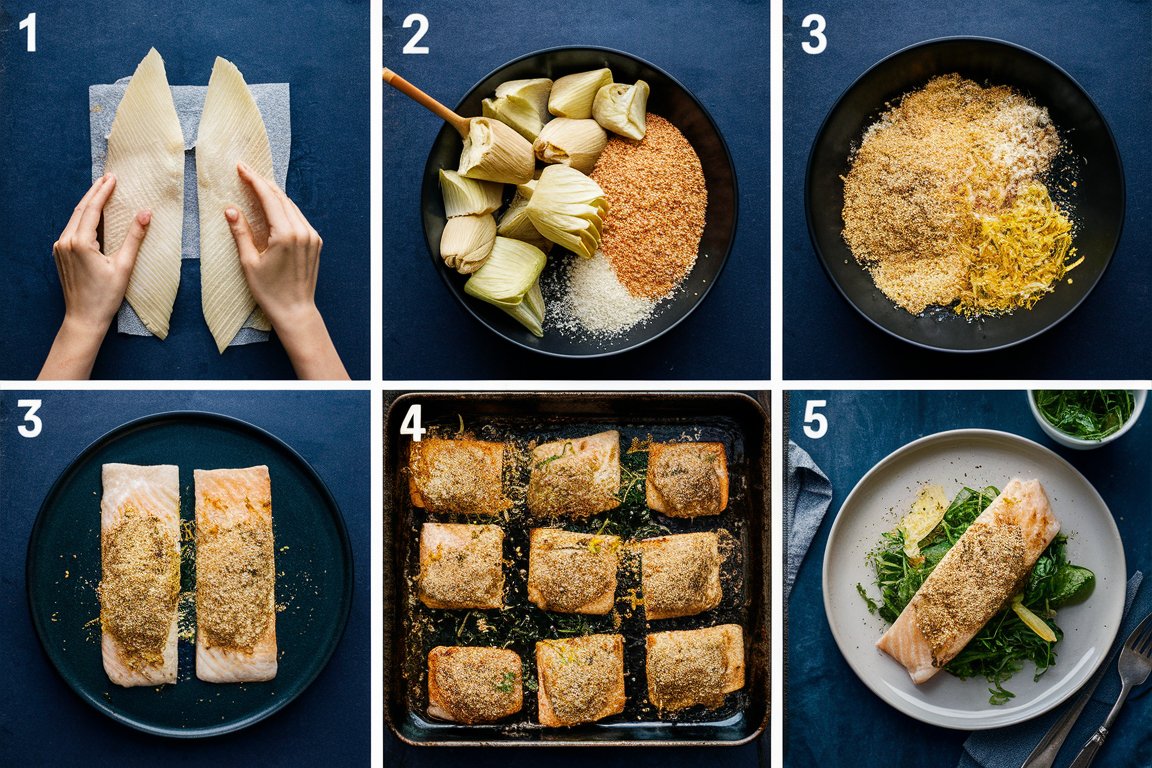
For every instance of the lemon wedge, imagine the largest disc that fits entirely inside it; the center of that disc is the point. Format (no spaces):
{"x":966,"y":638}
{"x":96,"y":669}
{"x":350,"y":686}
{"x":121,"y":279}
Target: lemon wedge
{"x":1034,"y":622}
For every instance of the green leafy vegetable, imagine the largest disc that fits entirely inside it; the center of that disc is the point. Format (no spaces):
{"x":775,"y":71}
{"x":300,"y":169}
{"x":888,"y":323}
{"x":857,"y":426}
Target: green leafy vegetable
{"x":1087,"y":414}
{"x":1000,"y":649}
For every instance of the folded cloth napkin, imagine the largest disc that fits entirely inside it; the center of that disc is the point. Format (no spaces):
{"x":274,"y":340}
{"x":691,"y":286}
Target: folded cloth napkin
{"x":807,"y":496}
{"x":1129,"y":744}
{"x":273,"y":101}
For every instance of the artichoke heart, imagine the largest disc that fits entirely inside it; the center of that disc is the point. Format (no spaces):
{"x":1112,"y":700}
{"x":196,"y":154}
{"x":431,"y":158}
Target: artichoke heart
{"x":623,"y":108}
{"x":572,"y":95}
{"x":495,"y":152}
{"x":576,"y":143}
{"x":522,"y":105}
{"x":515,"y":223}
{"x":509,"y":279}
{"x":468,"y":197}
{"x":467,"y":242}
{"x":568,"y":208}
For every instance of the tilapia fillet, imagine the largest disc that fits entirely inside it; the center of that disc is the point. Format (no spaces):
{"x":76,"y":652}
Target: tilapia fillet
{"x":235,"y":576}
{"x":140,"y":573}
{"x":974,"y":581}
{"x":231,"y":131}
{"x":146,"y":153}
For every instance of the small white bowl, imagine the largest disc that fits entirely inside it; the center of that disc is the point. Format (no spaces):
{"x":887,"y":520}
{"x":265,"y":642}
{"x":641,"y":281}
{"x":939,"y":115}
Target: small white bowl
{"x":1138,"y":398}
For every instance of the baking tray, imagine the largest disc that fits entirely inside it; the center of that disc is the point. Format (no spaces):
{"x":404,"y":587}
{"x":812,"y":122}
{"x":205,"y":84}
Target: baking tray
{"x":733,"y":419}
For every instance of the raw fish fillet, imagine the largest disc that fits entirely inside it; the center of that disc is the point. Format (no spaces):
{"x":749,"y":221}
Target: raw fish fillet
{"x":154,"y":491}
{"x":973,"y":582}
{"x":146,"y":152}
{"x":228,"y":500}
{"x":231,"y":131}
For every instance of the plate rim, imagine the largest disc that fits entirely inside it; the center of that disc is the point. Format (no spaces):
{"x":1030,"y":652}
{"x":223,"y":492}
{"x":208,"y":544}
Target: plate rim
{"x":903,"y":705}
{"x":145,"y":422}
{"x":703,"y":293}
{"x":922,"y":44}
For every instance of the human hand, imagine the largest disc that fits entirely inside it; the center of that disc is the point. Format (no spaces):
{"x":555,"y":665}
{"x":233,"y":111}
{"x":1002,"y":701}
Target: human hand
{"x":283,"y":276}
{"x":94,"y":283}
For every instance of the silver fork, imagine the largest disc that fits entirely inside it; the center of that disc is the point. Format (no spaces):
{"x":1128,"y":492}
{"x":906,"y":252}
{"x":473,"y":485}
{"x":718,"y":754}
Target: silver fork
{"x":1135,"y":665}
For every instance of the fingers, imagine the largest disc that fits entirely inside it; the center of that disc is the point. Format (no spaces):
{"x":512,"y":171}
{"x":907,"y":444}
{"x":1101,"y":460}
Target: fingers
{"x":90,"y":218}
{"x":242,"y":234}
{"x":271,"y":198}
{"x":132,"y":241}
{"x":74,"y":220}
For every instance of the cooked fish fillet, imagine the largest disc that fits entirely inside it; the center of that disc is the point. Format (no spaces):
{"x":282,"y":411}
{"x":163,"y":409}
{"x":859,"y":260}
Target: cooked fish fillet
{"x":462,"y":476}
{"x":572,"y":572}
{"x":577,"y":477}
{"x":461,"y":566}
{"x":235,"y":576}
{"x":687,"y":479}
{"x":680,"y":574}
{"x":140,"y":579}
{"x":146,"y":153}
{"x":231,"y":131}
{"x":474,"y":685}
{"x":973,"y":581}
{"x":694,"y":666}
{"x":581,"y":679}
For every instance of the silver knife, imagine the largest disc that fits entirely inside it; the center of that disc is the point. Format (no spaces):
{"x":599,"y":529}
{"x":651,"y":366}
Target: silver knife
{"x":1044,"y":756}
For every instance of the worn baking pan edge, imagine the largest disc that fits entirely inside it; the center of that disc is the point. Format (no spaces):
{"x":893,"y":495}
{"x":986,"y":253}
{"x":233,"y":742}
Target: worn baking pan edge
{"x":760,"y":653}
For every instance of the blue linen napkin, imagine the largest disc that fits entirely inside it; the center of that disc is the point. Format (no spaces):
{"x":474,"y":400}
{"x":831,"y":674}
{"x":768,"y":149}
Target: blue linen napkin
{"x":1129,"y":744}
{"x":807,"y":496}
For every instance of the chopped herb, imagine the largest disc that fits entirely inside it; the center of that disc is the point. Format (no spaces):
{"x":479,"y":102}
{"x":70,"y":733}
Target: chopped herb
{"x":1087,"y":414}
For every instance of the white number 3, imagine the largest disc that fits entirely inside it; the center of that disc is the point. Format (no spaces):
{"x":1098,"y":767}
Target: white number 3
{"x":30,"y":418}
{"x":816,"y":21}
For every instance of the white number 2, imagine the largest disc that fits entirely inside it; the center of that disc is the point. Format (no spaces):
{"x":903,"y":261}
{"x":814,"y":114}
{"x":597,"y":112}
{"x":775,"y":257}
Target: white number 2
{"x":29,"y":23}
{"x":816,"y":21}
{"x":30,"y":418}
{"x":421,"y":23}
{"x":815,"y":424}
{"x":411,"y":424}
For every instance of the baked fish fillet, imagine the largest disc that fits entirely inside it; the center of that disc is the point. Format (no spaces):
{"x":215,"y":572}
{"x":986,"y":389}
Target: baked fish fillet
{"x":231,"y":131}
{"x":973,"y":581}
{"x":146,"y":152}
{"x":235,"y":576}
{"x":140,"y":573}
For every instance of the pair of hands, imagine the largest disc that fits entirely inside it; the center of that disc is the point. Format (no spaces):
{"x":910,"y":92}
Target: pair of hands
{"x":282,"y":279}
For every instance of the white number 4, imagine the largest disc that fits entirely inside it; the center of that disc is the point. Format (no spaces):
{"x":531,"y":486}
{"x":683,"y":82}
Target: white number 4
{"x":30,"y":418}
{"x":817,"y":23}
{"x":411,"y":424}
{"x":421,"y":23}
{"x":815,"y":424}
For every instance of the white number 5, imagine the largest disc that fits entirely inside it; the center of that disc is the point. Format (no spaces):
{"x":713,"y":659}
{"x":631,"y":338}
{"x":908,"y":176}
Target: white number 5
{"x":30,"y":418}
{"x":815,"y":424}
{"x":816,"y":21}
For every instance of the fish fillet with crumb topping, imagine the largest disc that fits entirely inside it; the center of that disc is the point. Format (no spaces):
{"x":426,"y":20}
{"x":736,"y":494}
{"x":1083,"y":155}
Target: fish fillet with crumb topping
{"x":687,"y":479}
{"x":474,"y":685}
{"x":572,"y":572}
{"x":973,"y":582}
{"x":461,"y":476}
{"x":680,"y":574}
{"x":461,"y":566}
{"x":694,"y":666}
{"x":576,"y":477}
{"x":581,"y":679}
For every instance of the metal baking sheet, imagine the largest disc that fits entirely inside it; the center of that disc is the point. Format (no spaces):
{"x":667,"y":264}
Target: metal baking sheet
{"x":518,"y":419}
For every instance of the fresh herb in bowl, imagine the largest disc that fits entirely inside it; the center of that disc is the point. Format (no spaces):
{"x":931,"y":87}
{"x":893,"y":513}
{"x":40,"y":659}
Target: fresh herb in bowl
{"x":1085,"y":414}
{"x":1023,"y":631}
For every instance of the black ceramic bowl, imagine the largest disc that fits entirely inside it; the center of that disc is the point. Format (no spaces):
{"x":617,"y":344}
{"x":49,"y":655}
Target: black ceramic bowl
{"x":1095,"y":204}
{"x":670,"y":100}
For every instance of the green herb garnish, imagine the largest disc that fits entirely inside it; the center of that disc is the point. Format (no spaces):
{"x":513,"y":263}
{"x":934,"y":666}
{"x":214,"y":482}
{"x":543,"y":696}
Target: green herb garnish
{"x":1087,"y":414}
{"x":1000,"y":649}
{"x":507,"y":681}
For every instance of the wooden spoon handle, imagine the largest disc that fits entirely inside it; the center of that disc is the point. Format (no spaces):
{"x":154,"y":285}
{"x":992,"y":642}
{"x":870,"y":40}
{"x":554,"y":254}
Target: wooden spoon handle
{"x":417,"y":95}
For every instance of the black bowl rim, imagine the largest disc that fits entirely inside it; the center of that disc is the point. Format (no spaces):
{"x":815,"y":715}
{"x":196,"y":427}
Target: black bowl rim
{"x":447,"y":278}
{"x":211,"y":417}
{"x":924,"y":44}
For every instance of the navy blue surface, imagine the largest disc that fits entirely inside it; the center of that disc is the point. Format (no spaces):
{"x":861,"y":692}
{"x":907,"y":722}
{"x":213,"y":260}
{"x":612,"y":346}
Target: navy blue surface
{"x":319,"y":47}
{"x":864,"y":427}
{"x":718,"y":51}
{"x":1106,"y":47}
{"x":42,"y":722}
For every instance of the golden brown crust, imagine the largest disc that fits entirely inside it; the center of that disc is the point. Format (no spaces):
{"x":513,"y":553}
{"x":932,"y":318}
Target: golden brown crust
{"x":572,"y":572}
{"x":680,"y":574}
{"x":460,"y":476}
{"x":461,"y":566}
{"x":581,"y":680}
{"x":577,"y":477}
{"x":687,"y":479}
{"x":696,"y":666}
{"x":474,"y":685}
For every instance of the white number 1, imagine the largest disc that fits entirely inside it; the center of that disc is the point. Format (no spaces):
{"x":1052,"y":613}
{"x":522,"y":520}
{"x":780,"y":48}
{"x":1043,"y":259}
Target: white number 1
{"x":29,"y":23}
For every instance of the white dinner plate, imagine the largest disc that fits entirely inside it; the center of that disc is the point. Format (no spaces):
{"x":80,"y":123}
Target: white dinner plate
{"x":976,"y":458}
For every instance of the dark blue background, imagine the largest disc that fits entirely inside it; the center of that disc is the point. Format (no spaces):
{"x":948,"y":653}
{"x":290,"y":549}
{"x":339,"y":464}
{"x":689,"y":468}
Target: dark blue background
{"x":42,"y":722}
{"x":319,"y":47}
{"x":864,"y":427}
{"x":1106,"y":47}
{"x":719,"y":51}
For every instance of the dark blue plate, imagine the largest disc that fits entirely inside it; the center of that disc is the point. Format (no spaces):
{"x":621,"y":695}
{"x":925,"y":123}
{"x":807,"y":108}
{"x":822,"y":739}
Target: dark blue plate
{"x":313,"y":583}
